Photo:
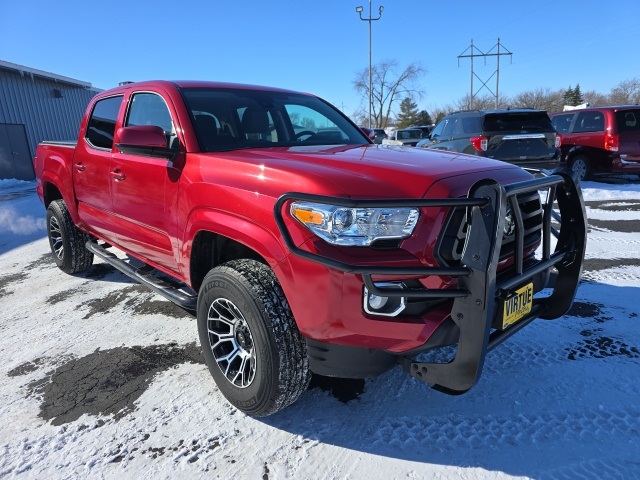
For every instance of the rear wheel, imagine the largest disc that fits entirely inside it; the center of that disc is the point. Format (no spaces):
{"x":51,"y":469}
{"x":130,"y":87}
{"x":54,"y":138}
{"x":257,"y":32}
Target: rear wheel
{"x":66,"y":240}
{"x":249,"y":338}
{"x":581,"y":167}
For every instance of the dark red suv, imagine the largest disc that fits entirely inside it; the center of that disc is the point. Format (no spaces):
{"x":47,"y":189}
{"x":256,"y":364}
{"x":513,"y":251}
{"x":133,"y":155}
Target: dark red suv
{"x":600,"y":140}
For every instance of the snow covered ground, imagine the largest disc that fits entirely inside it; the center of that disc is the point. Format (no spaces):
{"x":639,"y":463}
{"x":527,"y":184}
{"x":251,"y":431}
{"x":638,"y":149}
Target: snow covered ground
{"x":100,"y":378}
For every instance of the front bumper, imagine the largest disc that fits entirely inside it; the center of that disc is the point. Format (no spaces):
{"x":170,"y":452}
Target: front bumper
{"x":478,"y":291}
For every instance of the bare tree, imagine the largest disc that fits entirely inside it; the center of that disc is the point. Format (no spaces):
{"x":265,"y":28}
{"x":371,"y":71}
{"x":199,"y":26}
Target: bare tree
{"x":541,"y":99}
{"x":488,"y":102}
{"x":388,"y":89}
{"x":438,"y":113}
{"x":596,"y":99}
{"x":626,"y":92}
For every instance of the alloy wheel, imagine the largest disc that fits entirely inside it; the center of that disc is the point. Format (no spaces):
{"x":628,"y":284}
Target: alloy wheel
{"x":55,"y":237}
{"x":231,"y":342}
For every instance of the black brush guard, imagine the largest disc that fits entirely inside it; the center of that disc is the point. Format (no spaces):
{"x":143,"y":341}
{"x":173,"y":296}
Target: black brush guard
{"x":478,"y":292}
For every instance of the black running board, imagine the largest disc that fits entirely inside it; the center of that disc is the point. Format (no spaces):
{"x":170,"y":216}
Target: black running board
{"x":186,"y":300}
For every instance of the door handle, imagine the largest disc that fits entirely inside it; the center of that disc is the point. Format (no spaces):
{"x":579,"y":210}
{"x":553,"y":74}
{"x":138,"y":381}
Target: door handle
{"x":80,"y":167}
{"x":117,"y":175}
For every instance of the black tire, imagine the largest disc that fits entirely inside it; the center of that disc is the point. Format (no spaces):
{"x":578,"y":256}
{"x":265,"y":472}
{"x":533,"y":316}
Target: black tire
{"x":581,"y":167}
{"x":66,"y":240}
{"x":249,"y":338}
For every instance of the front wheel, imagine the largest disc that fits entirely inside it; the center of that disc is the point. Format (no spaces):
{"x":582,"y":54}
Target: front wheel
{"x":249,"y":338}
{"x":66,"y":240}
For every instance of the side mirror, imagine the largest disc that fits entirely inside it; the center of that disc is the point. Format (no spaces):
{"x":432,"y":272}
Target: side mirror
{"x":371,"y":135}
{"x":145,"y":140}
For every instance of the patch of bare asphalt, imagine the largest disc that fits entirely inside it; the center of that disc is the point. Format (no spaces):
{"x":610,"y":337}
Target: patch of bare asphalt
{"x":8,"y":280}
{"x":45,"y":260}
{"x":61,"y":296}
{"x":191,"y":449}
{"x":37,"y":364}
{"x":106,"y":382}
{"x":598,"y":264}
{"x":137,"y":298}
{"x":27,"y":367}
{"x":624,"y":226}
{"x":585,"y":309}
{"x":593,"y":311}
{"x":602,"y":347}
{"x":615,"y":206}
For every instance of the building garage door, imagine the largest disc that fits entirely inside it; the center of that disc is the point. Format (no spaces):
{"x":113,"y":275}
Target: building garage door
{"x":15,"y":158}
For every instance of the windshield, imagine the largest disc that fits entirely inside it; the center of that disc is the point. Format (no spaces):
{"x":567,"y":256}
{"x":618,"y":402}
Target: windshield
{"x":230,"y":119}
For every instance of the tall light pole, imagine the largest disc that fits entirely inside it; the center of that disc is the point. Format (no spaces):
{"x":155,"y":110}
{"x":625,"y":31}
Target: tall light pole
{"x":370,"y":19}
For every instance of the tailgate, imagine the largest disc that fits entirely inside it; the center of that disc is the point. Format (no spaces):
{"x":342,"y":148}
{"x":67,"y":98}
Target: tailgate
{"x":521,"y":146}
{"x":519,"y":135}
{"x":629,"y":133}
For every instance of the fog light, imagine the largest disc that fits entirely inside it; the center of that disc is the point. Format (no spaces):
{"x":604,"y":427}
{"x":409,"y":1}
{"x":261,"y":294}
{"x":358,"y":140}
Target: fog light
{"x":376,"y":302}
{"x":385,"y":306}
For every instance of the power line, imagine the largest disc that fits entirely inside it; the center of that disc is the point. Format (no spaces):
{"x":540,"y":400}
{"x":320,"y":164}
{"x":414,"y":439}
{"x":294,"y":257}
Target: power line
{"x":472,"y":52}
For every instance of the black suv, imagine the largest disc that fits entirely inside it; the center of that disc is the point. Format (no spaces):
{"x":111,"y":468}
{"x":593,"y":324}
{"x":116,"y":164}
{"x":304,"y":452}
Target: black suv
{"x":523,"y":137}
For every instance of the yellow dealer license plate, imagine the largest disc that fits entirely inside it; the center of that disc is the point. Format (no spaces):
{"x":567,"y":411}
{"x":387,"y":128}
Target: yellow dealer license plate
{"x":517,"y":305}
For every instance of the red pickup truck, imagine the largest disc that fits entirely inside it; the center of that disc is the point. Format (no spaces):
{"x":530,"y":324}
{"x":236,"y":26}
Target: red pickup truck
{"x":302,"y":246}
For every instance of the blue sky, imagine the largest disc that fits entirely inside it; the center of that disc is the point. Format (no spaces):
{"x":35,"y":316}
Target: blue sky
{"x":318,"y":46}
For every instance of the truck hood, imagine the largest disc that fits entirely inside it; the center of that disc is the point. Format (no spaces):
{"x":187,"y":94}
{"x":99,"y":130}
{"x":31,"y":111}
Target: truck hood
{"x":359,"y":171}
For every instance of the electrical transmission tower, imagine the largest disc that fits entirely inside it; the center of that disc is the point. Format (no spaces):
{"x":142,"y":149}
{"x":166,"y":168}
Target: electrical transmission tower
{"x":473,"y":52}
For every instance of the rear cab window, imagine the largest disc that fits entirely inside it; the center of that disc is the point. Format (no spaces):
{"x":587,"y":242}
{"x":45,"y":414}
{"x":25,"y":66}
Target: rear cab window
{"x":102,"y":122}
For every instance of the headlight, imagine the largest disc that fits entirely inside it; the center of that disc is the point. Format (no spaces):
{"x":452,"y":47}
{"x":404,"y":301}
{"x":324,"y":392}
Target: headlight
{"x":355,"y":226}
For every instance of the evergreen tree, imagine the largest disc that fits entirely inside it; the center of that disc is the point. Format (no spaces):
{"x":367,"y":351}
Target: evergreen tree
{"x":408,"y":113}
{"x":573,"y":96}
{"x":423,"y":118}
{"x":568,"y":96}
{"x":577,"y":95}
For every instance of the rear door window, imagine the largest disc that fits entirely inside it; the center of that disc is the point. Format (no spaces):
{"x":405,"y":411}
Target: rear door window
{"x":102,"y":123}
{"x":561,"y":123}
{"x":471,"y":125}
{"x":589,"y":122}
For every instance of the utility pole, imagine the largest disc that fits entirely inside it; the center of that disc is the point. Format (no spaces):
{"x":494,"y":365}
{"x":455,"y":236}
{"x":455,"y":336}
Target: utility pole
{"x":473,"y":52}
{"x":370,"y":19}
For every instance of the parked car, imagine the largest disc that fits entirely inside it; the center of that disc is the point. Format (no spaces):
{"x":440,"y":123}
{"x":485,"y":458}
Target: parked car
{"x":426,"y":129}
{"x":523,"y":137}
{"x":600,"y":140}
{"x":375,"y":134}
{"x":405,"y":136}
{"x":380,"y":135}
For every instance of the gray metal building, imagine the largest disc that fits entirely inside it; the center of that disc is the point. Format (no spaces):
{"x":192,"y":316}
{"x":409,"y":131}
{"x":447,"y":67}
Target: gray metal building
{"x":36,"y":106}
